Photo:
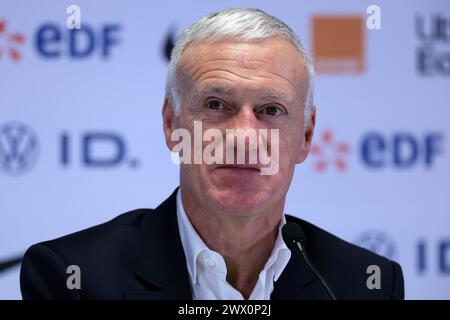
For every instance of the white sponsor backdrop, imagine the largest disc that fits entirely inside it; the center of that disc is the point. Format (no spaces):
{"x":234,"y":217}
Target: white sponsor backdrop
{"x":92,"y":103}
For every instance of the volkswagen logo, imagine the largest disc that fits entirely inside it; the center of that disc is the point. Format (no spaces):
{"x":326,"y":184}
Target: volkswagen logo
{"x":19,"y":148}
{"x":378,"y":242}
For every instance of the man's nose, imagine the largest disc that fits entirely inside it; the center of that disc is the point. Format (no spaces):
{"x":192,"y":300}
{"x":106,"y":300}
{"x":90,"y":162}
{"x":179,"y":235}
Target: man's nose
{"x":245,"y":119}
{"x":244,"y":136}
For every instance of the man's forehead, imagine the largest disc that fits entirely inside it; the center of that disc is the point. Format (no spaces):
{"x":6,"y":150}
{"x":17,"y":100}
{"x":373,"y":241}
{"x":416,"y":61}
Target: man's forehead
{"x":275,"y":51}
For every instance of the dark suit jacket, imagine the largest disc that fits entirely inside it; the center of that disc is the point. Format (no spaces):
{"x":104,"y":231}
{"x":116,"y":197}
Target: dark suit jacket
{"x":139,"y":255}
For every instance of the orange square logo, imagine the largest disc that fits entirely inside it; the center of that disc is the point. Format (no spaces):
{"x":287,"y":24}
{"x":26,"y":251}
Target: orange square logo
{"x":338,"y":44}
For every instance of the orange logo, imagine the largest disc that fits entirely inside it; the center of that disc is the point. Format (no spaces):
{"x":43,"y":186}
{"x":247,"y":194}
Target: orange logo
{"x":338,"y":44}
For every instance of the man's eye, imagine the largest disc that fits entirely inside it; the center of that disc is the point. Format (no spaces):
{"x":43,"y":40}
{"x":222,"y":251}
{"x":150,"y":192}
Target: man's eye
{"x":272,"y":111}
{"x":215,"y":105}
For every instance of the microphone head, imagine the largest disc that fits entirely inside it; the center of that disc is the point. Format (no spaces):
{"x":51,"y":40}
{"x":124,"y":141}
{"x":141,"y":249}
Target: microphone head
{"x":293,"y":233}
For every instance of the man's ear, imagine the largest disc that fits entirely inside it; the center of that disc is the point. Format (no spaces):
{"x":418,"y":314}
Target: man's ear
{"x":168,"y":122}
{"x":307,"y":139}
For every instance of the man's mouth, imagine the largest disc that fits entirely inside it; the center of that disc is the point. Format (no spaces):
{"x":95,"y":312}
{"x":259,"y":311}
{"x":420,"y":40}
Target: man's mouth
{"x":248,"y":167}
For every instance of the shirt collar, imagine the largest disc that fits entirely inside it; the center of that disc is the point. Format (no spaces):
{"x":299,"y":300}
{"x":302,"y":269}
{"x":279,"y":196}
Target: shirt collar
{"x":280,"y":255}
{"x":193,"y":245}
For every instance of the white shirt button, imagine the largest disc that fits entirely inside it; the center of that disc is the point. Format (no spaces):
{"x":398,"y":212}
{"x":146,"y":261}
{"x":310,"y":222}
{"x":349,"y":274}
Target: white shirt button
{"x":210,"y":263}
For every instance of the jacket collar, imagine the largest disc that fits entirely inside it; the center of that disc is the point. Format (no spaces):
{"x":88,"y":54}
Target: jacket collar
{"x":161,"y":270}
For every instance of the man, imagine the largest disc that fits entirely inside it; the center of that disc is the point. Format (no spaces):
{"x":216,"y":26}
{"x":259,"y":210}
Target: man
{"x":219,"y":235}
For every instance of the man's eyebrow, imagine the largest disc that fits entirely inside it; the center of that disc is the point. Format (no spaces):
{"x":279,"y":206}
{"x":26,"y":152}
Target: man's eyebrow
{"x":271,"y":95}
{"x":277,"y":96}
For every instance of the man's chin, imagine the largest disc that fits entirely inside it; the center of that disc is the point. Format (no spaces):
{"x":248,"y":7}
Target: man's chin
{"x":238,"y":203}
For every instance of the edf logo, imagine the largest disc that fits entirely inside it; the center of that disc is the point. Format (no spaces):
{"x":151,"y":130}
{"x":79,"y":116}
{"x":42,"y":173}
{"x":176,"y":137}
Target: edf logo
{"x":54,"y":41}
{"x":401,"y":150}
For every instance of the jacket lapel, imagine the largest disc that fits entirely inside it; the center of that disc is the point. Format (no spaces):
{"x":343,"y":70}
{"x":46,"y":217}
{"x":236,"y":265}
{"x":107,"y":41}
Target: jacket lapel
{"x":298,"y":282}
{"x":162,"y":272}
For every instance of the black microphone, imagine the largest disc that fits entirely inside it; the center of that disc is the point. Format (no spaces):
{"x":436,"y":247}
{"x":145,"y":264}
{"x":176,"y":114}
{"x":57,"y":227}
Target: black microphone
{"x":295,"y":239}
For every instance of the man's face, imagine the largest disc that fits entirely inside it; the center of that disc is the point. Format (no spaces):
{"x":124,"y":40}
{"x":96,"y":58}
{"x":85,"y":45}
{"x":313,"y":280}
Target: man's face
{"x":258,"y":84}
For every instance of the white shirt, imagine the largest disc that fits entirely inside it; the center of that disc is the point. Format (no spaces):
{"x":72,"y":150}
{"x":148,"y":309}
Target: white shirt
{"x":208,"y":271}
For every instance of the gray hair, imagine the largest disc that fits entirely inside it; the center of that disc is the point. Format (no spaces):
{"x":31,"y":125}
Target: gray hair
{"x":240,"y":24}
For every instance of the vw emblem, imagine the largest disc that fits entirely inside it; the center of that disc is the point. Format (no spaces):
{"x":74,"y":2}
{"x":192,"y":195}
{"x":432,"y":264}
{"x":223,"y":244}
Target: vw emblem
{"x":378,"y":242}
{"x":19,"y":148}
